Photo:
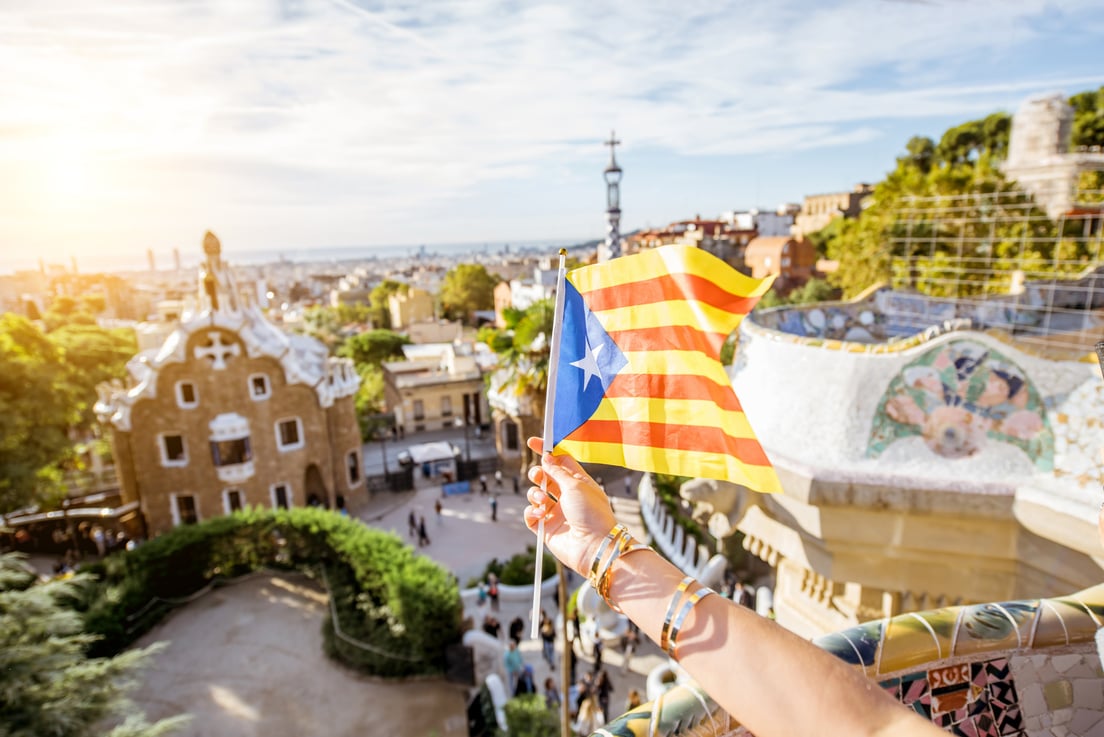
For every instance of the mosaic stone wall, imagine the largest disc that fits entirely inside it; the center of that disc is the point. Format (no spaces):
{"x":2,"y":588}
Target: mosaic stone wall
{"x":957,"y":397}
{"x":1012,"y":669}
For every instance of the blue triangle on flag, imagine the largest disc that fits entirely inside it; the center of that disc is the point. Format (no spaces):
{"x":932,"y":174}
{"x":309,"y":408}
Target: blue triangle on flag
{"x":589,"y":360}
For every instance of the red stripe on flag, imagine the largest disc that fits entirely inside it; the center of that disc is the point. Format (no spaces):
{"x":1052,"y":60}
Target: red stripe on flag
{"x":674,"y":386}
{"x":664,"y":437}
{"x":666,"y":288}
{"x":670,"y":338}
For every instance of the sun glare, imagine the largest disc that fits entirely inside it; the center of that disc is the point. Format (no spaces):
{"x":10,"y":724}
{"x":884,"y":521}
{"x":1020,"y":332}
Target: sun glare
{"x":66,"y":171}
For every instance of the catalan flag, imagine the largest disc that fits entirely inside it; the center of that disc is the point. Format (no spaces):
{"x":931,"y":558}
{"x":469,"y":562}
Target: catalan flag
{"x":639,"y":382}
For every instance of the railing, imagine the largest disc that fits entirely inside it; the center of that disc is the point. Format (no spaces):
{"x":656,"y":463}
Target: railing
{"x":667,"y":535}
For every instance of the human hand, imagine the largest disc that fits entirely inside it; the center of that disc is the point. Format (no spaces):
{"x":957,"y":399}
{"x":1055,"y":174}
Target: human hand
{"x":575,"y":525}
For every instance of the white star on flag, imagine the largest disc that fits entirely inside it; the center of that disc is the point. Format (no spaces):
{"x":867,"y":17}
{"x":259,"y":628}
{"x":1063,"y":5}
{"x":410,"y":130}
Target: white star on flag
{"x":589,"y":364}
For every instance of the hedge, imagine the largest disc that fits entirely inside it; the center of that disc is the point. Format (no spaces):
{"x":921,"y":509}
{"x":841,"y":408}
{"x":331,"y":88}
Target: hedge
{"x":405,"y":606}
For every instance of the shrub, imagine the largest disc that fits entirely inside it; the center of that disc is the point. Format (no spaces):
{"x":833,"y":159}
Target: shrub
{"x":403,"y":605}
{"x":529,"y":716}
{"x":518,"y":570}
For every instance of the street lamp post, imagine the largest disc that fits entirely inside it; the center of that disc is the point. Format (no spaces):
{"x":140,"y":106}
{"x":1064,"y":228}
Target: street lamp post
{"x":383,"y":452}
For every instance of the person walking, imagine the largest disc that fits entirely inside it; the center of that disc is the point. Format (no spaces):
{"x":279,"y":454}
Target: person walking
{"x":597,"y":646}
{"x":412,"y":522}
{"x":517,"y":626}
{"x":525,"y":684}
{"x":514,"y":664}
{"x":628,"y":647}
{"x":492,"y":590}
{"x":498,"y":480}
{"x":548,"y":642}
{"x":437,"y":508}
{"x":423,"y":538}
{"x":494,"y":508}
{"x":589,"y":719}
{"x":603,"y":687}
{"x":551,"y":694}
{"x":628,"y":484}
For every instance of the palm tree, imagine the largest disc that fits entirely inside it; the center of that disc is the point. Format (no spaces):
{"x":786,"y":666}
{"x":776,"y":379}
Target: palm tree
{"x":523,"y":351}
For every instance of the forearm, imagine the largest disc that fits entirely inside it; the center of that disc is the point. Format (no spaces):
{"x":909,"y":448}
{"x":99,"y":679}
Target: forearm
{"x":769,"y":679}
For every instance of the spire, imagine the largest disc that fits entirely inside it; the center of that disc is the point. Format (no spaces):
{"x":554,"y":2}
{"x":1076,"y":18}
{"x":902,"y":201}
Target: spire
{"x":218,"y":291}
{"x":612,"y":246}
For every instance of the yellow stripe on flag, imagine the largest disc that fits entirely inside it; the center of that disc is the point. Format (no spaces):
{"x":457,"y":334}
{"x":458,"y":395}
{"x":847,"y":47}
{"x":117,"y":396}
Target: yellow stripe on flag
{"x":674,"y":412}
{"x":667,"y":260}
{"x":665,"y":314}
{"x":676,"y":362}
{"x":681,"y":463}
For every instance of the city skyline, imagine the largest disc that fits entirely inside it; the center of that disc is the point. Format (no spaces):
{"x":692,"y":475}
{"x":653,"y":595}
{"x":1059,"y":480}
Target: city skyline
{"x":291,"y":126}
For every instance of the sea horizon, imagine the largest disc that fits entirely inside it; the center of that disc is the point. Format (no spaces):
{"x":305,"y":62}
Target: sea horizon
{"x":131,"y":261}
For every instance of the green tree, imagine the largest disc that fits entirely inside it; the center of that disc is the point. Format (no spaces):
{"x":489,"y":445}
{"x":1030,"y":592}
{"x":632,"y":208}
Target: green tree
{"x":47,"y":684}
{"x":380,"y":311}
{"x":373,"y":347}
{"x":91,"y":355}
{"x":921,"y":153}
{"x":34,"y":414}
{"x":523,"y":350}
{"x":467,"y":288}
{"x":1088,"y":119}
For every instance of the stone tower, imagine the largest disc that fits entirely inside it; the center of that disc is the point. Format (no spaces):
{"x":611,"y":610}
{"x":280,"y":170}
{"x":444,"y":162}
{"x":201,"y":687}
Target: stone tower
{"x":1040,"y":128}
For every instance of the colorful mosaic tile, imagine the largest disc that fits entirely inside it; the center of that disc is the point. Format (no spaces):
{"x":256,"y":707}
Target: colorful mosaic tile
{"x":957,"y":397}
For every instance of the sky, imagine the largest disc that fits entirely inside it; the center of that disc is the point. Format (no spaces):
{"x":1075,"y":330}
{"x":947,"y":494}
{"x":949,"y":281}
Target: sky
{"x":301,"y":124}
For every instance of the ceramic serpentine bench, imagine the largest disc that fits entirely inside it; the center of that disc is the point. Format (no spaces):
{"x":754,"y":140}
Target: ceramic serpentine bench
{"x":1021,"y":669}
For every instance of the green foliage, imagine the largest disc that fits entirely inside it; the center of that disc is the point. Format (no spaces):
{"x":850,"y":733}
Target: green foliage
{"x":374,"y":347}
{"x":519,"y":569}
{"x":35,"y":413}
{"x":331,"y":324}
{"x":48,"y":386}
{"x":1088,"y":119}
{"x":529,"y":716}
{"x":47,"y":684}
{"x":379,"y":310}
{"x":91,"y":355}
{"x":402,"y":604}
{"x":465,"y":289}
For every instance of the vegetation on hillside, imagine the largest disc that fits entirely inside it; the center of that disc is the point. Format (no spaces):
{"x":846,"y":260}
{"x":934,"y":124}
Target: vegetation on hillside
{"x":48,"y":385}
{"x":964,"y":161}
{"x":48,"y":685}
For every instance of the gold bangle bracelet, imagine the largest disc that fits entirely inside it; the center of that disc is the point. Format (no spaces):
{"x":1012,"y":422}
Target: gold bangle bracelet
{"x":609,"y":543}
{"x":628,"y":544}
{"x":680,"y":618}
{"x":671,"y":608}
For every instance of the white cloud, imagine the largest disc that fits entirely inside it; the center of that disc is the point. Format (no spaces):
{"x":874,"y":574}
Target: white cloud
{"x":389,"y":109}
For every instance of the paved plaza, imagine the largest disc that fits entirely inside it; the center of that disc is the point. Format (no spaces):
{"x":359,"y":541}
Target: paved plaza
{"x":246,"y":660}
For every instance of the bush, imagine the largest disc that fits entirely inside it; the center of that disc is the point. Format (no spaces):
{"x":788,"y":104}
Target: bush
{"x":519,"y":570}
{"x":529,"y":716}
{"x":385,"y":595}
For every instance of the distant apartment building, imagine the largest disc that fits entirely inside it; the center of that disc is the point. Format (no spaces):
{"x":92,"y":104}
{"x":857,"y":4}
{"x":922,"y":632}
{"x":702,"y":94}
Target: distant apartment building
{"x":522,"y":292}
{"x":723,"y":239}
{"x":763,"y":222}
{"x":231,"y":411}
{"x":442,"y":388}
{"x":820,"y":209}
{"x":1039,"y":156}
{"x":791,"y":260}
{"x":410,"y":306}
